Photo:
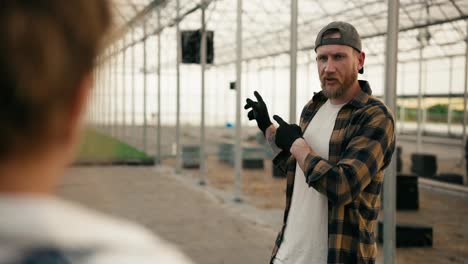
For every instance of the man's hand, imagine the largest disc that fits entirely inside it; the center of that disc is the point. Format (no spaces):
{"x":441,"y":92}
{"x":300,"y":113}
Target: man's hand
{"x":259,"y":112}
{"x":286,"y":134}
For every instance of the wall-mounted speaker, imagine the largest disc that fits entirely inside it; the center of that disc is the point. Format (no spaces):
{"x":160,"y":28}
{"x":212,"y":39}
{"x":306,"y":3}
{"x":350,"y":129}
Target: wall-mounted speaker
{"x":191,"y":42}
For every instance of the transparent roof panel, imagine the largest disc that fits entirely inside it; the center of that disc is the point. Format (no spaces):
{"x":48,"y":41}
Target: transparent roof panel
{"x":441,"y":24}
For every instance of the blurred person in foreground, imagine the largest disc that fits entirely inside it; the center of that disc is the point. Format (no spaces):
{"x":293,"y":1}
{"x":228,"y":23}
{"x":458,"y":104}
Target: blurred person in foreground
{"x":333,"y":160}
{"x":47,"y":53}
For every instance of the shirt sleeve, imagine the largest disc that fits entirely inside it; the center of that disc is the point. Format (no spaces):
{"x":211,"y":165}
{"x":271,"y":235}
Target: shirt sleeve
{"x":274,"y":147}
{"x":282,"y":159}
{"x":368,"y":152}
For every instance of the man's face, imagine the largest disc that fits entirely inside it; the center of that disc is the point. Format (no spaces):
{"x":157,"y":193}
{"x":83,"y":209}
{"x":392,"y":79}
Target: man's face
{"x":338,"y":67}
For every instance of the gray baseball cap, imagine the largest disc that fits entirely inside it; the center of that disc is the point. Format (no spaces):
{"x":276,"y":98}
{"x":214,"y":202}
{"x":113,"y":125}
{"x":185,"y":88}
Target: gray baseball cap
{"x":348,"y":36}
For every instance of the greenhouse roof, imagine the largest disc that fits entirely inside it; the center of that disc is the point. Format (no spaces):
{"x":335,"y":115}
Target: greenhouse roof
{"x":442,"y":24}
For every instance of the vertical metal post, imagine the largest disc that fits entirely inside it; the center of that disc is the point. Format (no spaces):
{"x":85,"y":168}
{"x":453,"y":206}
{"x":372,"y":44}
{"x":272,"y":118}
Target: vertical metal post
{"x":424,"y":103}
{"x":449,"y":110}
{"x":217,"y":80}
{"x":90,"y":112}
{"x":293,"y":63}
{"x":390,"y":99}
{"x":246,"y":75}
{"x":115,"y":92}
{"x":465,"y":99}
{"x":99,"y":93}
{"x":274,"y":86}
{"x":145,"y":87}
{"x":203,"y":66}
{"x":308,"y":73}
{"x":238,"y":144}
{"x":420,"y":110}
{"x":94,"y":95}
{"x":133,"y":80}
{"x":124,"y":85}
{"x":109,"y":92}
{"x":158,"y":141}
{"x":402,"y":105}
{"x":179,"y":53}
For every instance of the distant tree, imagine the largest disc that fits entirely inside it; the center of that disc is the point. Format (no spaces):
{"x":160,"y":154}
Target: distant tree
{"x":438,"y":109}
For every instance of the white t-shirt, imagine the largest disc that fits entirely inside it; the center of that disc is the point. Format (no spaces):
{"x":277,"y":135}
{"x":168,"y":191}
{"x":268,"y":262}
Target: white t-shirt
{"x":305,"y":239}
{"x":48,"y":228}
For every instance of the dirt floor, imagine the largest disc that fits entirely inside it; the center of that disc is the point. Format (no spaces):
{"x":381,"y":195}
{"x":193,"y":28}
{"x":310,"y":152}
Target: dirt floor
{"x":447,"y":214}
{"x":199,"y":224}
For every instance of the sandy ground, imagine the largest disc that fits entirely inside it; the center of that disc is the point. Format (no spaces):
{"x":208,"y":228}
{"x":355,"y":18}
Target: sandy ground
{"x":447,"y":214}
{"x":199,"y":224}
{"x":263,"y":198}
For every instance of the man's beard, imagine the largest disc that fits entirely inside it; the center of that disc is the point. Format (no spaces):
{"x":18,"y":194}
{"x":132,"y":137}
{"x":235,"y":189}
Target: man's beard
{"x":337,"y":93}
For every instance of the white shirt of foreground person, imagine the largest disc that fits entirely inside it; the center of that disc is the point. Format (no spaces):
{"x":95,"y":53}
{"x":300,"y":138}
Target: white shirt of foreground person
{"x":50,"y":230}
{"x":306,"y":235}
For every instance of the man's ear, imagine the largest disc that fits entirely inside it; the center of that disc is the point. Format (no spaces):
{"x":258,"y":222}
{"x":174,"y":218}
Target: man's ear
{"x":361,"y":59}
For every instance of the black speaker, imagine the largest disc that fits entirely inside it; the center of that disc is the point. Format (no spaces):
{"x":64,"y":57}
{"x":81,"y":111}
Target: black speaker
{"x":399,"y":160}
{"x":466,"y":149}
{"x":191,"y":42}
{"x":450,"y":178}
{"x":424,"y":165}
{"x":466,"y":157}
{"x":232,"y":85}
{"x":407,"y":192}
{"x":409,"y":235}
{"x":252,"y":164}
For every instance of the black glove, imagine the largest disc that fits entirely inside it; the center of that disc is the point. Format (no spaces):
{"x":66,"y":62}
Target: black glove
{"x":286,"y":134}
{"x":259,"y":112}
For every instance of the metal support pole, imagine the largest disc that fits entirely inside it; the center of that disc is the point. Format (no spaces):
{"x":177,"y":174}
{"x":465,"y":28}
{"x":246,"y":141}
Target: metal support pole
{"x":94,"y":99}
{"x":238,"y":144}
{"x":391,"y":62}
{"x":115,"y":92}
{"x":217,"y":116}
{"x":202,"y":124}
{"x":178,"y":168}
{"x":420,"y":110}
{"x":308,"y":74}
{"x":89,"y":115}
{"x":124,"y":85}
{"x":293,"y":63}
{"x":133,"y":82}
{"x":274,"y":86}
{"x":108,"y":94}
{"x":158,"y":141}
{"x":96,"y":95}
{"x":99,"y":93}
{"x":449,"y":110}
{"x":145,"y":87}
{"x":104,"y":91}
{"x":465,"y":99}
{"x":402,"y":105}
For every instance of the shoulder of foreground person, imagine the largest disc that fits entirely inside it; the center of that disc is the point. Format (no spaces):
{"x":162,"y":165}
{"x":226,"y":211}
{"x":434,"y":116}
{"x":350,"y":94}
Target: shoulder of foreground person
{"x":45,"y":227}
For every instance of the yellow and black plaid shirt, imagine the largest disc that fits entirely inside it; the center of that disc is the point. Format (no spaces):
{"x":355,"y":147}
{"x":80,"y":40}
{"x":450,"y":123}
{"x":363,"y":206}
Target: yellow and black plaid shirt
{"x":361,"y":146}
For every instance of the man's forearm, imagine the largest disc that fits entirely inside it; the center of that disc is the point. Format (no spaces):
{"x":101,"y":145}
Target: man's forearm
{"x":270,"y":137}
{"x":300,"y":149}
{"x":270,"y":131}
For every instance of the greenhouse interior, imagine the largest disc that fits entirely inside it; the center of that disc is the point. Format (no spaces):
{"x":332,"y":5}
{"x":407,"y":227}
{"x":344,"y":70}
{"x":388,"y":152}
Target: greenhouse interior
{"x":169,"y":144}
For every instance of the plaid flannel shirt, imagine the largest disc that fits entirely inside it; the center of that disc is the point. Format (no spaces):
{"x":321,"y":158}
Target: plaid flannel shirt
{"x":361,"y":146}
